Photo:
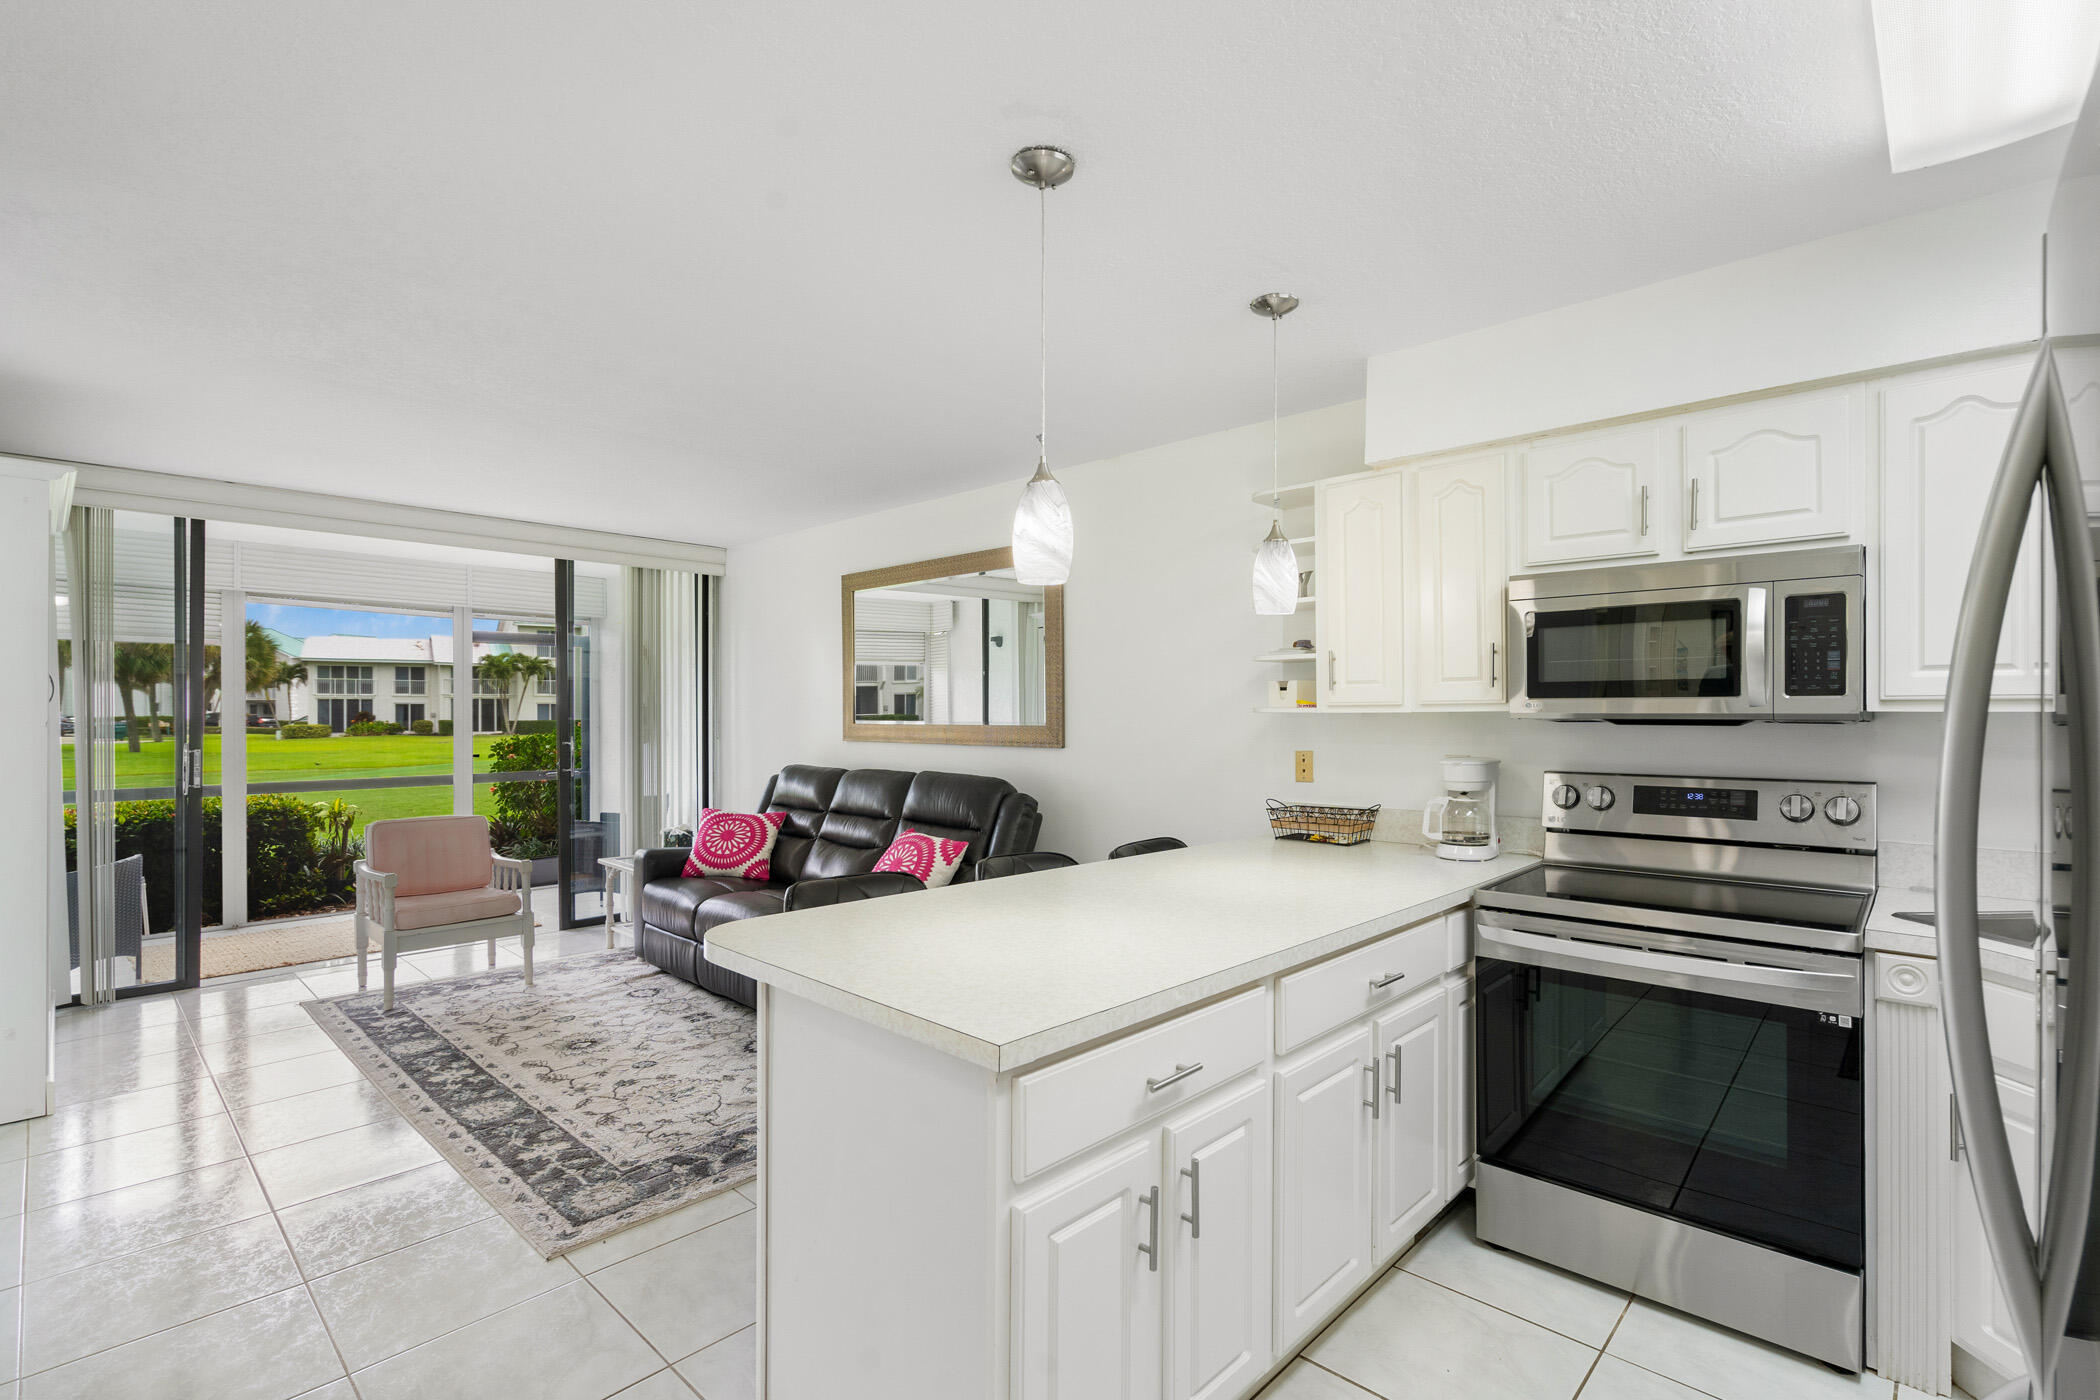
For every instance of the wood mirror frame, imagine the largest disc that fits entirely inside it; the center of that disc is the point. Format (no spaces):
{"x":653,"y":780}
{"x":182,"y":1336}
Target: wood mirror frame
{"x":1048,"y":735}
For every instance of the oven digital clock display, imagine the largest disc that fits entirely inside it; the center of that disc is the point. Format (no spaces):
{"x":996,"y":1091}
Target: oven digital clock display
{"x":1739,"y":804}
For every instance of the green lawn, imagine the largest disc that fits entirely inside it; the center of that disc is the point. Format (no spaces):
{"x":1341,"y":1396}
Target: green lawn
{"x":348,"y":759}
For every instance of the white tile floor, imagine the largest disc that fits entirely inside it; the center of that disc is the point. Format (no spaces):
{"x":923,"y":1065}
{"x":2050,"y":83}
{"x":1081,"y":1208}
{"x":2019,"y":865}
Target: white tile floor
{"x":1457,"y":1320}
{"x":223,"y":1209}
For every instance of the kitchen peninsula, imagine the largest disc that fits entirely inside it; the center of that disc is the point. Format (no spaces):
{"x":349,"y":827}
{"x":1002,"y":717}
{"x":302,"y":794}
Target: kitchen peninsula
{"x":1098,"y":1131}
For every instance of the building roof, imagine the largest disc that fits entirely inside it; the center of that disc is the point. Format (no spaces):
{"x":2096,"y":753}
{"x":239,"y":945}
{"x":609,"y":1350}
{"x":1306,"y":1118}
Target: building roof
{"x":434,"y":650}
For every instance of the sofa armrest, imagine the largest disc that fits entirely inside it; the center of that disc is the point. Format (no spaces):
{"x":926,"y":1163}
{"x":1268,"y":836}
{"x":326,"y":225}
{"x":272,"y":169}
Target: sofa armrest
{"x":661,"y":863}
{"x":845,"y":889}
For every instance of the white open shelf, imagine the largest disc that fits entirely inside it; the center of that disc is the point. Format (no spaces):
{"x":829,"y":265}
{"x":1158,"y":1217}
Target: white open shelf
{"x":1287,"y":654}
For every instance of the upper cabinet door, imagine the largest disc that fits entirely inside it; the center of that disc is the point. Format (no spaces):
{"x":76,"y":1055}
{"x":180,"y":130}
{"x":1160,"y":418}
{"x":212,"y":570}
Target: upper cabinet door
{"x":1086,"y":1301}
{"x":1363,"y":591}
{"x":1775,"y":470}
{"x":1459,"y":577}
{"x":1218,"y":1313}
{"x":2078,"y":367}
{"x":1942,"y":434}
{"x":1594,"y":496}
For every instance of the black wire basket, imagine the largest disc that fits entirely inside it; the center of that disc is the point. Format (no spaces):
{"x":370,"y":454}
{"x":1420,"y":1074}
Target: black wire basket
{"x":1336,"y":826}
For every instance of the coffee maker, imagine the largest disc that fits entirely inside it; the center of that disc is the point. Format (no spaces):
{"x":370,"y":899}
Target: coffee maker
{"x":1464,"y":817}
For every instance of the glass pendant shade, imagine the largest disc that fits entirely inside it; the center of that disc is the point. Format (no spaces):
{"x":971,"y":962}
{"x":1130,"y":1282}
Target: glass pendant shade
{"x":1042,"y":531}
{"x":1275,"y":575}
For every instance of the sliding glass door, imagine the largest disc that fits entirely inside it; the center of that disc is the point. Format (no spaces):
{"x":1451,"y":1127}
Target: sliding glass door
{"x":139,"y":854}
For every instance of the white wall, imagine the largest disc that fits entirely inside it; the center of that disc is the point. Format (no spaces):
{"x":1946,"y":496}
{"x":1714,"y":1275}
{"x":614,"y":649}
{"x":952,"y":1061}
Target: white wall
{"x":1161,"y":734}
{"x":1956,"y":279}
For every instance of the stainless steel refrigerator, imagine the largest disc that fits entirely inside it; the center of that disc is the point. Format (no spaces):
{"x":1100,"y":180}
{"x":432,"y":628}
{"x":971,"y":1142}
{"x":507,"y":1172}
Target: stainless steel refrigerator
{"x":2045,"y":1243}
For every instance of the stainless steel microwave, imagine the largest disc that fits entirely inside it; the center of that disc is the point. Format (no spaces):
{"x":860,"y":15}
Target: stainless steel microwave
{"x":1777,"y":636}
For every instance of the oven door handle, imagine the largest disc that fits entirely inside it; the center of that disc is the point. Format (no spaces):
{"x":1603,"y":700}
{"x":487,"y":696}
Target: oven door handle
{"x":1841,"y":992}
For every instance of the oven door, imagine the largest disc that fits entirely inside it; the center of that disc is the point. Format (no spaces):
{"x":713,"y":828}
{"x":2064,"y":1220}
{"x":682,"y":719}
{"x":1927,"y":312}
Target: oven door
{"x":1716,"y":1084}
{"x":1682,"y":653}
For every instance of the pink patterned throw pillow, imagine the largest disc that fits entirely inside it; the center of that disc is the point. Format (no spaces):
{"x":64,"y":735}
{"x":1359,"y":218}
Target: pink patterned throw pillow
{"x":734,"y":843}
{"x":933,"y":859}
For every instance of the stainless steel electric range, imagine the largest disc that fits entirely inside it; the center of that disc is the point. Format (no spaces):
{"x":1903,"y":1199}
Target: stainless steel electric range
{"x":1670,"y":1049}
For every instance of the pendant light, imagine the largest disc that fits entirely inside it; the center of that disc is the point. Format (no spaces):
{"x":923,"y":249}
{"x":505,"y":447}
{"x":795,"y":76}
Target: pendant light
{"x":1043,"y":518}
{"x":1275,"y":561}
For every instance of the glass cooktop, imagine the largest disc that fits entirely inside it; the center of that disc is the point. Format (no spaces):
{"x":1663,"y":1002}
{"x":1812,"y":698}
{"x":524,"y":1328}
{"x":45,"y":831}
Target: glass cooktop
{"x":1559,"y":888}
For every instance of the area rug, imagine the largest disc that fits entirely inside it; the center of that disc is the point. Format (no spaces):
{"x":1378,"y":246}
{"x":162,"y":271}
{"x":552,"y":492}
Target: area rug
{"x":606,"y":1094}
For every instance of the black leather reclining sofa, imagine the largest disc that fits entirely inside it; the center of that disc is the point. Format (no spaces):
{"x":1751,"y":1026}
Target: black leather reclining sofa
{"x":839,"y":822}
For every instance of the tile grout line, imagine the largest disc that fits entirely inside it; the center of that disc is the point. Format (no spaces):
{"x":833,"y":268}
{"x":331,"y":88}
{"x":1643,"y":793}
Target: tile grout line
{"x":1598,"y":1360}
{"x":1345,"y":1380}
{"x":1626,"y":1303}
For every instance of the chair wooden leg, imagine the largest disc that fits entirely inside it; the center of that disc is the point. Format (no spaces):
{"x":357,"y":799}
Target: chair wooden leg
{"x":492,"y":952}
{"x":386,"y":975}
{"x":364,"y":939}
{"x":525,"y":943}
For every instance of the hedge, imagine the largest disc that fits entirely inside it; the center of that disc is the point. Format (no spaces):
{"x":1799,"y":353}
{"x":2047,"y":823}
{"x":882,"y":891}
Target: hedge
{"x":287,"y":856}
{"x":370,"y":728}
{"x":422,"y":726}
{"x":304,"y":731}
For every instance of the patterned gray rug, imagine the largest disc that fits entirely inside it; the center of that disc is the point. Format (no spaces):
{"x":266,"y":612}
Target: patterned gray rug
{"x":606,"y":1094}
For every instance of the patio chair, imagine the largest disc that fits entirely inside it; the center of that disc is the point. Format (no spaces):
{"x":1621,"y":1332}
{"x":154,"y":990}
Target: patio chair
{"x":435,"y":882}
{"x":130,"y":876}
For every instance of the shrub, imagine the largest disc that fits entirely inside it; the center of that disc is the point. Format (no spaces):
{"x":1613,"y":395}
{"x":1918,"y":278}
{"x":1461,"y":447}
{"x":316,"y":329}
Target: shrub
{"x":304,"y":731}
{"x":445,"y":727}
{"x":422,"y":726}
{"x":524,"y":826}
{"x":367,"y":728}
{"x":289,"y":871}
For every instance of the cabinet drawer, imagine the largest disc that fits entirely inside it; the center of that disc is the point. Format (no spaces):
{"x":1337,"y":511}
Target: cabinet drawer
{"x":1070,"y":1106}
{"x":1312,"y":1002}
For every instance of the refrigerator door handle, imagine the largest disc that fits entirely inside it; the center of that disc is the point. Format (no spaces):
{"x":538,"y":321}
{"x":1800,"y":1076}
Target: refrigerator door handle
{"x":2037,"y":1279}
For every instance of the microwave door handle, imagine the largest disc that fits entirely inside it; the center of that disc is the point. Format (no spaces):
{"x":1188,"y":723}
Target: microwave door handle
{"x":1757,"y":673}
{"x":1970,"y":673}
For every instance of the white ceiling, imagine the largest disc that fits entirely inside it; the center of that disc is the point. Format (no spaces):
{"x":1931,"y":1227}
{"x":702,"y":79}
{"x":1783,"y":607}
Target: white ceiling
{"x":710,"y":271}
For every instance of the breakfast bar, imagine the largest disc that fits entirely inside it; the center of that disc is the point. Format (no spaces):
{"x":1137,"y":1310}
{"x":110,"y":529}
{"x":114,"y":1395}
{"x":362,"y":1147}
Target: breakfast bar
{"x":1130,"y":1128}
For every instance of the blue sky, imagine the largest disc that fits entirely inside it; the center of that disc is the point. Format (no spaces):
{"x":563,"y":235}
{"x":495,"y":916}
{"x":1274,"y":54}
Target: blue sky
{"x":348,"y":622}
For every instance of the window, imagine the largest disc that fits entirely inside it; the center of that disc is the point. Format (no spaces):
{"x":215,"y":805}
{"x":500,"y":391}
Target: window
{"x":342,"y":680}
{"x":547,"y":712}
{"x":867,"y":699}
{"x":864,"y":674}
{"x":488,"y":716}
{"x":904,"y":673}
{"x":409,"y":680}
{"x":405,"y":715}
{"x":905,"y":705}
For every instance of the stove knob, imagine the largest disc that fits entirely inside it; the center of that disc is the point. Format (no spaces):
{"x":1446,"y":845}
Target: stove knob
{"x":1842,"y":810}
{"x":1796,"y":807}
{"x":1600,"y":797}
{"x":1565,"y":796}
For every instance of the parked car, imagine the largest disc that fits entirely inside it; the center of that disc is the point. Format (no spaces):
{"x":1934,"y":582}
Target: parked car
{"x":262,"y":721}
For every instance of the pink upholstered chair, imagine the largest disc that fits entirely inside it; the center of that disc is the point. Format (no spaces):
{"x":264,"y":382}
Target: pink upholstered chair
{"x":433,"y":882}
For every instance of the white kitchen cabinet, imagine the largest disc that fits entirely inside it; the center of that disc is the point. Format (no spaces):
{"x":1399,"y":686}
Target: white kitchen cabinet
{"x":2078,"y":368}
{"x":1942,"y":432}
{"x":1086,"y":1306}
{"x":1460,"y":569}
{"x":1458,"y":1065}
{"x":1323,"y":1189}
{"x":1219,"y":1318}
{"x":1774,"y":470}
{"x":1981,"y":1321}
{"x":1362,"y":586}
{"x":1594,"y":496}
{"x":1411,"y":1130}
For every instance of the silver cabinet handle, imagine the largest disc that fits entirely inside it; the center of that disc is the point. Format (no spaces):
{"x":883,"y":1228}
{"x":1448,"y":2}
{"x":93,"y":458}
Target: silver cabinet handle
{"x":1379,"y":984}
{"x":1494,"y":660}
{"x":1644,"y":511}
{"x":1953,"y":1129}
{"x":1151,"y":1251}
{"x":1695,"y":503}
{"x":1194,"y":1172}
{"x":1394,"y":1089}
{"x":1372,"y":1102}
{"x":1181,"y":1072}
{"x":1330,"y":671}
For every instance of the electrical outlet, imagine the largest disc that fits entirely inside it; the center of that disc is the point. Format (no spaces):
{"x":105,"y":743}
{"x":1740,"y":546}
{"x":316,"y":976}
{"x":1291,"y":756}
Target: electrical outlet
{"x":1305,"y":765}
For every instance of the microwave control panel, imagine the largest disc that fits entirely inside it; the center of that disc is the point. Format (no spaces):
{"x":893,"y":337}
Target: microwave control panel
{"x":1816,"y":644}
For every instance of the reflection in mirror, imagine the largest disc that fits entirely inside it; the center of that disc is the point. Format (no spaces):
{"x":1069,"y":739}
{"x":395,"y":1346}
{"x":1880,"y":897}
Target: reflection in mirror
{"x":954,"y":651}
{"x":966,"y":649}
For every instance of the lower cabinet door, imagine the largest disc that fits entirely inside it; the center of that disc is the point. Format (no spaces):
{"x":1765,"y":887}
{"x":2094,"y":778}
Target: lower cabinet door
{"x":1411,"y":1124}
{"x":1458,"y":1084}
{"x":1219,"y":1319}
{"x":1086,"y":1320}
{"x":1982,"y":1319}
{"x":1323,"y":1198}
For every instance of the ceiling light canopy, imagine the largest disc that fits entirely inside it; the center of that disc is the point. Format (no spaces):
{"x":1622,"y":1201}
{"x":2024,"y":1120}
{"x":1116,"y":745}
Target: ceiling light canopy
{"x":1960,"y":77}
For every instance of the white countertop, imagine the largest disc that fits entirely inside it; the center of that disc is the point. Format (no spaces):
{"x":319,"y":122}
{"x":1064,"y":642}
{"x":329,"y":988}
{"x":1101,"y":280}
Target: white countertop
{"x":1886,"y":933}
{"x":1007,"y":972}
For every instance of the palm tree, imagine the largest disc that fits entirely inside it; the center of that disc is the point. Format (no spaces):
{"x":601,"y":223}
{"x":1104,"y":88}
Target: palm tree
{"x":515,"y":671}
{"x":140,"y":666}
{"x":283,"y":676}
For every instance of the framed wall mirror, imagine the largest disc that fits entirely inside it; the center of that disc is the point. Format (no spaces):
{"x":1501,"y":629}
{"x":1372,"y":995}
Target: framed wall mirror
{"x":954,"y":651}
